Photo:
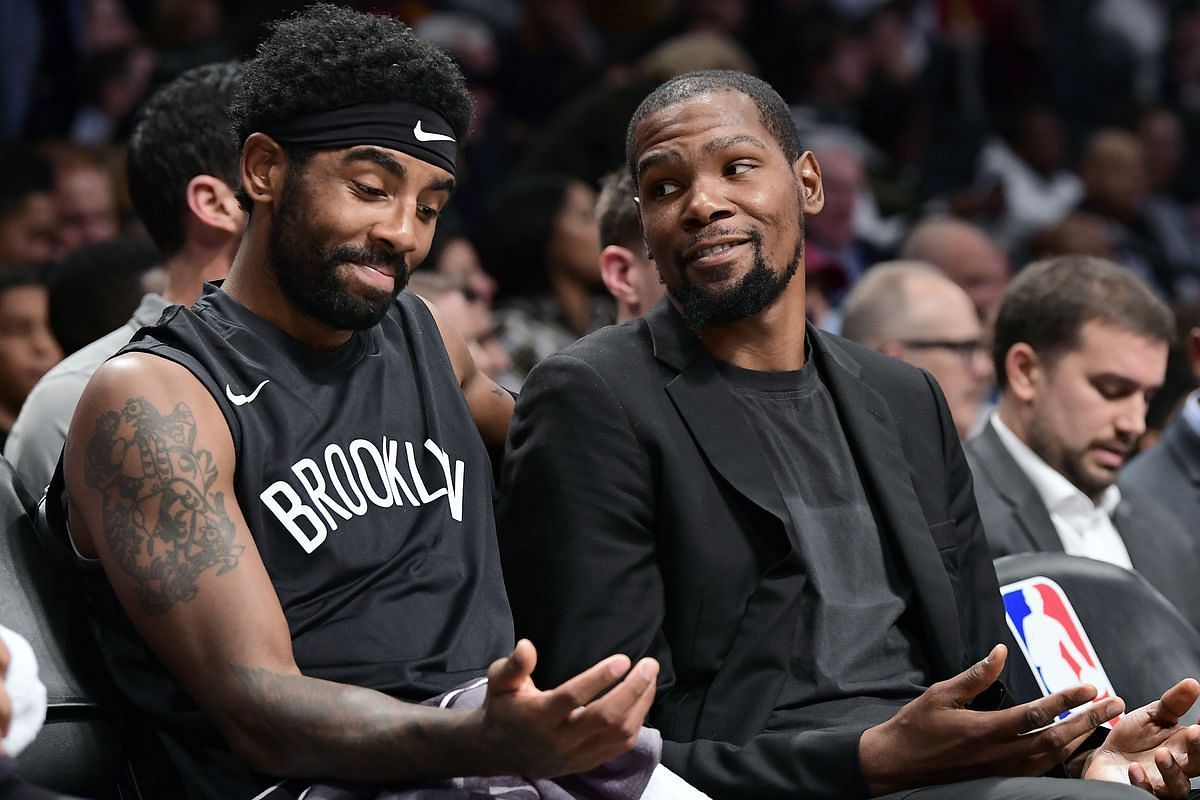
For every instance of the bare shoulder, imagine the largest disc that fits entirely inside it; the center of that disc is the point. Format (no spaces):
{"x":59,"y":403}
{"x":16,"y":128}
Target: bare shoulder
{"x":148,"y":469}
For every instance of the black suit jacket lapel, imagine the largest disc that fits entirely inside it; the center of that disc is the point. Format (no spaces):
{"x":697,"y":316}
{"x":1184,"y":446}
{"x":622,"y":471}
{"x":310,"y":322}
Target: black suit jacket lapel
{"x":1017,"y":491}
{"x":887,"y":478}
{"x":1184,"y":445}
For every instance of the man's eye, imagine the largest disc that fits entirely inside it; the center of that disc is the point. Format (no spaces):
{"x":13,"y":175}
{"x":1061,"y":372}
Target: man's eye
{"x":738,"y":169}
{"x":370,"y":191}
{"x":428,"y":212}
{"x":664,"y":188}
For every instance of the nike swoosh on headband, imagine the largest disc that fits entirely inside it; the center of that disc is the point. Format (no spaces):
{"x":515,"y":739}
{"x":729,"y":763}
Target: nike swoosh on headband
{"x":425,"y":136}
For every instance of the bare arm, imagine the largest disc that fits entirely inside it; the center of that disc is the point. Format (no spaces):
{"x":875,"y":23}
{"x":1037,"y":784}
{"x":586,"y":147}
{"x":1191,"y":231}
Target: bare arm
{"x":149,"y":469}
{"x":491,"y":405}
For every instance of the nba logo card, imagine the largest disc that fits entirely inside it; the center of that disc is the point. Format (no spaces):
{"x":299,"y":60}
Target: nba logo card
{"x":1054,"y":643}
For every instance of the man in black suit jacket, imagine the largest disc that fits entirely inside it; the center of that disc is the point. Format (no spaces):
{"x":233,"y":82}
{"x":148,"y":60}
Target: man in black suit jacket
{"x":1079,"y":343}
{"x":784,"y":519}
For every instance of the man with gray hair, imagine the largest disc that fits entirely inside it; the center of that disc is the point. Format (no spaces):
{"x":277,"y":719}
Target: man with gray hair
{"x":910,"y":310}
{"x":1080,"y":344}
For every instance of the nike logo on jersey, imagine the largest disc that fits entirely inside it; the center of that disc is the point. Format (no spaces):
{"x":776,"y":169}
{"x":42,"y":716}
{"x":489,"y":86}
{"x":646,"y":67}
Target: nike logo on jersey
{"x":242,"y":399}
{"x":425,"y":136}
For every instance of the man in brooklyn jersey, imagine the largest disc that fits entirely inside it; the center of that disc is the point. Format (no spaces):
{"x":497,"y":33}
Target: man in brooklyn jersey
{"x":280,"y":498}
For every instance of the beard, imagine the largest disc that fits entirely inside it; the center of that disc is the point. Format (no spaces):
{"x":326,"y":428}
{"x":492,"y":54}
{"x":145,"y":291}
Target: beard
{"x":702,"y":307}
{"x":306,"y":267}
{"x":1070,"y":463}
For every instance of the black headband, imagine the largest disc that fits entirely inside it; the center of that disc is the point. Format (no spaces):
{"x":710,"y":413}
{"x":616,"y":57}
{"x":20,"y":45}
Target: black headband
{"x":410,"y":128}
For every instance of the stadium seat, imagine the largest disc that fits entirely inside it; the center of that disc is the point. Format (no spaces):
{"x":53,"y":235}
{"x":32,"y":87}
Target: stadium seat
{"x":1144,"y":644}
{"x":81,"y":749}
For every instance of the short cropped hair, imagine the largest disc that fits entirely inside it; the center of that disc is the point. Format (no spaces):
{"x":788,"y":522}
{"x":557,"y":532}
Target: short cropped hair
{"x":1049,"y":302}
{"x":328,"y":57}
{"x":871,"y":310}
{"x":772,"y":110}
{"x":184,"y":131}
{"x":26,"y":172}
{"x":96,"y":289}
{"x":616,"y":213}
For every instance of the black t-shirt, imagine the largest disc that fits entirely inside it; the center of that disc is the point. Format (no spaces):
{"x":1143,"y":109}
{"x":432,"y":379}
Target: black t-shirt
{"x":368,"y":492}
{"x":853,"y":641}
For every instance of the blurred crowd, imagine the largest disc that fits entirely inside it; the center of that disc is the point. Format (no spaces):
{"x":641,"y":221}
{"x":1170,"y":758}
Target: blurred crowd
{"x":971,"y":135}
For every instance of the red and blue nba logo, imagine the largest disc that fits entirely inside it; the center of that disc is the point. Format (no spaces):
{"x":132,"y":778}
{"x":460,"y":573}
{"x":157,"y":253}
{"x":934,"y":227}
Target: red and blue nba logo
{"x":1053,"y":641}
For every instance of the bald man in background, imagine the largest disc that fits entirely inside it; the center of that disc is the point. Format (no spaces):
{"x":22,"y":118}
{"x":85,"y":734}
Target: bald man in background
{"x":966,"y":255}
{"x":911,"y":311}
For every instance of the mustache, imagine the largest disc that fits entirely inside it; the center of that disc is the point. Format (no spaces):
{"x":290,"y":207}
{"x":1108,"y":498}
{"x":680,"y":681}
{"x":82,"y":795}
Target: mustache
{"x":698,"y":239}
{"x":369,"y":255}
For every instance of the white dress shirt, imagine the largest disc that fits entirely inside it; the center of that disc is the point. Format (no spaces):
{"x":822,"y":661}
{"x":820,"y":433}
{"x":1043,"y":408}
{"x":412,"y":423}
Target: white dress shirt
{"x":1085,"y":528}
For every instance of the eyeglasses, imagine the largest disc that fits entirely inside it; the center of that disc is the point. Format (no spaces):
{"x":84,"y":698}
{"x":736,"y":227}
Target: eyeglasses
{"x":965,"y":349}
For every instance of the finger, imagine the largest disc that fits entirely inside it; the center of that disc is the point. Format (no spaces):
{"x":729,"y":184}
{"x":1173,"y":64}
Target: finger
{"x":580,"y":690}
{"x":1041,"y":712}
{"x":5,"y":657}
{"x":1139,"y":779}
{"x":616,"y":704}
{"x":971,"y":682}
{"x":508,"y":674}
{"x":1185,"y":746}
{"x":1056,"y":740}
{"x":1175,"y":702}
{"x":1174,"y":781}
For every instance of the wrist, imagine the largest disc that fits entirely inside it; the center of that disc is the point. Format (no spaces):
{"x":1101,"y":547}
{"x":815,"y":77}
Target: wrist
{"x":877,"y":767}
{"x":479,"y":757}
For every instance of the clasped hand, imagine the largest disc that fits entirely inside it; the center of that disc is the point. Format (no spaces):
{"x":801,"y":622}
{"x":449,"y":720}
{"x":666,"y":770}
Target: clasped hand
{"x":566,"y":730}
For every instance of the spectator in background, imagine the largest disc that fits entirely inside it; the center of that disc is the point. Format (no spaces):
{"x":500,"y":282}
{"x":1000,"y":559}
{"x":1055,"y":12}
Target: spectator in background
{"x":832,"y":232}
{"x":183,"y":171}
{"x":965,"y":254}
{"x":27,"y":347}
{"x":1078,"y":233}
{"x":28,"y":220}
{"x":911,"y":311}
{"x":97,"y":287}
{"x":628,"y":272}
{"x":1169,"y":471}
{"x":453,"y":254}
{"x":1113,"y":168}
{"x":1079,"y":344}
{"x":1164,"y":143}
{"x":85,"y":194}
{"x":1029,"y":161}
{"x":545,"y":251}
{"x":468,"y":314}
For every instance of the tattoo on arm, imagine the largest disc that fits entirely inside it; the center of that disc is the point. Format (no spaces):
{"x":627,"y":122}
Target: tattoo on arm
{"x":163,"y":524}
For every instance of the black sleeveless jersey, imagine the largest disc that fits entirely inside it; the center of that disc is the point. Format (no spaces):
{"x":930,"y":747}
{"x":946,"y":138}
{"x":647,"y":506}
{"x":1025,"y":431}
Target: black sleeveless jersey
{"x":368,"y":492}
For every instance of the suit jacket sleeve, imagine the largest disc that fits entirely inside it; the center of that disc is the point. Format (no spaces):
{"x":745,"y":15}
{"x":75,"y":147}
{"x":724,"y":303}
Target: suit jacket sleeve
{"x":578,"y":541}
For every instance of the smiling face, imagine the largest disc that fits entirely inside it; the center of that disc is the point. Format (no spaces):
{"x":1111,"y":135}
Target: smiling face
{"x":349,"y":226}
{"x":721,"y":207}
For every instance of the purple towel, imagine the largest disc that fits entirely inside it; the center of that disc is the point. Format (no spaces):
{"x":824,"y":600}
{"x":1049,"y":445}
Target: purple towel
{"x":623,"y":778}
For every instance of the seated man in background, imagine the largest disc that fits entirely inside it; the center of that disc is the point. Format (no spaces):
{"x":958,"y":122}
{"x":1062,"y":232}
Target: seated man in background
{"x":27,"y":347}
{"x":626,"y":269}
{"x":911,"y":311}
{"x":1170,"y":470}
{"x":1079,"y":345}
{"x":182,"y":167}
{"x":281,"y":496}
{"x":966,"y":255}
{"x":782,"y":518}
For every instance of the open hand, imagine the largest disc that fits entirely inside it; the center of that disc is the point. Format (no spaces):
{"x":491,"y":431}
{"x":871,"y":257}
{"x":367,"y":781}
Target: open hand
{"x":568,"y":729}
{"x":937,"y":739}
{"x":1149,"y":748}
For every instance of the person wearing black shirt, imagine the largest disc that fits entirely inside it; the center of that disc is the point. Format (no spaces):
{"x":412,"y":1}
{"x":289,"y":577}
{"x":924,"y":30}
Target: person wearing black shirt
{"x":782,"y":518}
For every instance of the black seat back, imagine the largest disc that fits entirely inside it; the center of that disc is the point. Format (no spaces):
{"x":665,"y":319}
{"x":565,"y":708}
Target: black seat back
{"x":1144,"y":644}
{"x":80,"y":750}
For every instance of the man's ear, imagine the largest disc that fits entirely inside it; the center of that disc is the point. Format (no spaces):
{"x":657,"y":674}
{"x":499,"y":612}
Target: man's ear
{"x":615,"y":263}
{"x":1025,"y":370}
{"x":264,"y":165}
{"x":213,"y":203}
{"x":808,"y":176}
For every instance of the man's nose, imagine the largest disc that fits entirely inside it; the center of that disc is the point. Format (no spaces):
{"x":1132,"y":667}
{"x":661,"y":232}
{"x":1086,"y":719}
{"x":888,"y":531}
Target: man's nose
{"x":706,"y":204}
{"x":398,"y":231}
